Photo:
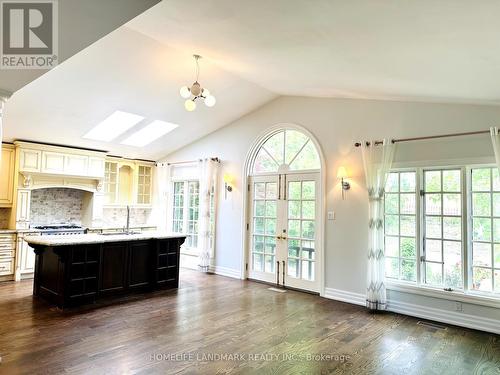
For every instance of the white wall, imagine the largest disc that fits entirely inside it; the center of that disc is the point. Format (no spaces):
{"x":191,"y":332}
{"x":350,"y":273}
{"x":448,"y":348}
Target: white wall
{"x":337,"y":123}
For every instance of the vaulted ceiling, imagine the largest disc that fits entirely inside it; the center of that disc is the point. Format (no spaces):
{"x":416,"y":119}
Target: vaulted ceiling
{"x":445,"y":51}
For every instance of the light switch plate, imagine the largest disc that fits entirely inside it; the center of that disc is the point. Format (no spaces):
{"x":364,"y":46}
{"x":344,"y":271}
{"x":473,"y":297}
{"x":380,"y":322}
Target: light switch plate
{"x":331,"y":215}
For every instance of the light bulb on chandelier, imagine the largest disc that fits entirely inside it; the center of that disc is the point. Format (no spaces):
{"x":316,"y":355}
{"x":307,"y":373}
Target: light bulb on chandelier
{"x":196,"y":92}
{"x":190,"y":105}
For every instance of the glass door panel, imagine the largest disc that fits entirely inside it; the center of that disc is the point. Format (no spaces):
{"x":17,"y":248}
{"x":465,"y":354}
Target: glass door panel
{"x":301,"y":218}
{"x":283,"y":229}
{"x":263,"y":227}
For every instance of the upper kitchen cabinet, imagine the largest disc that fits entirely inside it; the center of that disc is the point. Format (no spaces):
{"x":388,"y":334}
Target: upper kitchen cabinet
{"x":144,"y":183}
{"x":7,"y":174}
{"x":47,"y":159}
{"x":127,"y":182}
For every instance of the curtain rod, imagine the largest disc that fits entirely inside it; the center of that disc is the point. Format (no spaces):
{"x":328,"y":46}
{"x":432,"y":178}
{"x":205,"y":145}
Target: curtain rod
{"x":188,"y":161}
{"x":358,"y":144}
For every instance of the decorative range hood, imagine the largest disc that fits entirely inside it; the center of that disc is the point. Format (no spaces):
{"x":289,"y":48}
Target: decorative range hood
{"x":55,"y":166}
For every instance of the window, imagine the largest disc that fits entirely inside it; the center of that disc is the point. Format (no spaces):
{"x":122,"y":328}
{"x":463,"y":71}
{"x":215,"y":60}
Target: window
{"x":185,"y":207}
{"x":287,"y":147}
{"x":193,"y":211}
{"x":443,"y":228}
{"x":400,"y":226}
{"x":485,"y":202}
{"x":428,"y":239}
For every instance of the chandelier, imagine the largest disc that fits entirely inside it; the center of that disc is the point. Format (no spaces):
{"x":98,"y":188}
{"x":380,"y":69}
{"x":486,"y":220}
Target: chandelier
{"x":191,"y":94}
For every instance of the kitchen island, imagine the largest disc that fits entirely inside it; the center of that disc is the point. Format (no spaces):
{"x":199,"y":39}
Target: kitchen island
{"x":77,"y":269}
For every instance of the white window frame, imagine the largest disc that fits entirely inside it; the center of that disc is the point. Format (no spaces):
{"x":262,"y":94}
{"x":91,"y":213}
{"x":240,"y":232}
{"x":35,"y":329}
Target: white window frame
{"x":417,"y":226}
{"x":185,"y":216}
{"x":471,"y":229}
{"x":467,"y":295}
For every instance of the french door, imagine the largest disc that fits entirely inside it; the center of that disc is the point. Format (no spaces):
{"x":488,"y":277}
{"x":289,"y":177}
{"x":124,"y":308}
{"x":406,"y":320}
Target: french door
{"x":283,"y":232}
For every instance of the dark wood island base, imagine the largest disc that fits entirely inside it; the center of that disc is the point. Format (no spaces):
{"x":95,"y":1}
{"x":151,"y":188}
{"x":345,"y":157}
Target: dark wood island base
{"x":80,"y":273}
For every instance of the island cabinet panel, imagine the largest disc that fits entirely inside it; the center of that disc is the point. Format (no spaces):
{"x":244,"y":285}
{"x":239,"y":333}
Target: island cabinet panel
{"x":141,"y":254}
{"x":69,"y":275}
{"x":167,"y":263}
{"x":83,"y":273}
{"x":113,"y":268}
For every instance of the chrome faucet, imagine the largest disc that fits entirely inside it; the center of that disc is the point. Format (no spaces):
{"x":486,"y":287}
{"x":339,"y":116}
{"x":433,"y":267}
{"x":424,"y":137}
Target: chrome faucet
{"x":128,"y":220}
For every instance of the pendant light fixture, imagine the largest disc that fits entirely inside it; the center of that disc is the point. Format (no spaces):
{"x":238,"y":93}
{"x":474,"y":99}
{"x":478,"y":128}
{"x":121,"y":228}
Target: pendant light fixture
{"x":196,"y":92}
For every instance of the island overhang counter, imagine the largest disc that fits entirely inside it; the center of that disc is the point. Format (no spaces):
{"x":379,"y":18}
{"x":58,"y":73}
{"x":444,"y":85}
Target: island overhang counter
{"x":79,"y":269}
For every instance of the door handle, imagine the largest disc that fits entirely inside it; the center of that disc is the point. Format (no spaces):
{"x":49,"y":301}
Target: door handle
{"x":278,"y":273}
{"x":279,"y":187}
{"x":284,"y":187}
{"x":283,"y":270}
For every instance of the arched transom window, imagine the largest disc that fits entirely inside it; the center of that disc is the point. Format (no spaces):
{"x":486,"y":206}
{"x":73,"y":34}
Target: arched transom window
{"x":286,"y":150}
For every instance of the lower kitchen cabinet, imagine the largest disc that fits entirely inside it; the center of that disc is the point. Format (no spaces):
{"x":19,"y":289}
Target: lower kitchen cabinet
{"x":139,"y":261}
{"x":114,"y":268}
{"x":82,"y":273}
{"x":7,"y":255}
{"x":25,"y":265}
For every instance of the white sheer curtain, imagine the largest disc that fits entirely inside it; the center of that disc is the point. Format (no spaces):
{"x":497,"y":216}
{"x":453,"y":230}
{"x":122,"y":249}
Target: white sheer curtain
{"x":377,"y":161}
{"x":495,"y":140}
{"x":208,"y":188}
{"x":161,"y":194}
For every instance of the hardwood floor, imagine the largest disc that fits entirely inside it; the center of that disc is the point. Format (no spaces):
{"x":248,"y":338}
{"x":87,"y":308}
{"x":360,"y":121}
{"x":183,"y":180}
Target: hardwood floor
{"x":212,"y":315}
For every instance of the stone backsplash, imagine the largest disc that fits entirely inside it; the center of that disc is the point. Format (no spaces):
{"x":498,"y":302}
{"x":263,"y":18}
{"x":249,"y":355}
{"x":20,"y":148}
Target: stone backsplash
{"x":4,"y":218}
{"x":117,"y":216}
{"x":56,"y":205}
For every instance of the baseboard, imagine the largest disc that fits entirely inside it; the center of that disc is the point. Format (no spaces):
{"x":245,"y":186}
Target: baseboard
{"x":342,"y":295}
{"x":224,"y":271}
{"x":419,"y":311}
{"x":445,"y":316}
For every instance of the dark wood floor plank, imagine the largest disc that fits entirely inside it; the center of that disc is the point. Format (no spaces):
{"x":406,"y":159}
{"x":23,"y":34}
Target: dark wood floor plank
{"x":211,"y":315}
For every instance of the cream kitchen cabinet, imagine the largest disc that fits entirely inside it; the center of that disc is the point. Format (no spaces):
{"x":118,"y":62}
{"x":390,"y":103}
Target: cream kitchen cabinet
{"x":57,"y":160}
{"x":127,"y":182}
{"x":7,"y":255}
{"x":25,"y":264}
{"x":30,"y":160}
{"x":96,"y":167}
{"x":7,"y":168}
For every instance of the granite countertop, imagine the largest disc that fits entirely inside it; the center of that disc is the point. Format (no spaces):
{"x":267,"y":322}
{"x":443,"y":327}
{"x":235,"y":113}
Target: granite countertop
{"x":78,"y":239}
{"x":8,"y":231}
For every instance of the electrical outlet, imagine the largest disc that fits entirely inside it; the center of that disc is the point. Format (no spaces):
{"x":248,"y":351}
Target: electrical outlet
{"x":331,"y":215}
{"x":458,"y":306}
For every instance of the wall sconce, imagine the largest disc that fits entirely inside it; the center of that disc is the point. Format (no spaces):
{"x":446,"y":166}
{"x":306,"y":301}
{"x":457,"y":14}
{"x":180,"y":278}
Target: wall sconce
{"x":228,"y":184}
{"x":342,"y":174}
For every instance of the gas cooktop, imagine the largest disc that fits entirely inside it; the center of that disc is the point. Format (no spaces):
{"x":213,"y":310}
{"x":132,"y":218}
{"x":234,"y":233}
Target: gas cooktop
{"x":60,"y":229}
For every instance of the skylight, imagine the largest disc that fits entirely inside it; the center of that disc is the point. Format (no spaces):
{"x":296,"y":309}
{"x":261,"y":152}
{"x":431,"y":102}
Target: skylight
{"x":118,"y":123}
{"x":149,"y":133}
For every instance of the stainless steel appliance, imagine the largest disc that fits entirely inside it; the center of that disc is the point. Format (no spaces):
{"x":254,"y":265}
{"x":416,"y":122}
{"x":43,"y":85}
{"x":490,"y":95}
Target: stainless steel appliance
{"x":60,"y":229}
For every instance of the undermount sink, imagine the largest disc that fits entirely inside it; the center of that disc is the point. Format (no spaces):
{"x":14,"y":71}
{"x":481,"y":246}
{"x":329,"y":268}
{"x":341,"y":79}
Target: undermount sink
{"x":118,"y":233}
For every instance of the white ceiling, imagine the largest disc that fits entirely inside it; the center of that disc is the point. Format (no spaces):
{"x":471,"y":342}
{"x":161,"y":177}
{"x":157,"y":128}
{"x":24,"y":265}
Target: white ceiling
{"x":446,"y":50}
{"x":425,"y":50}
{"x":81,"y":23}
{"x":130,"y":72}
